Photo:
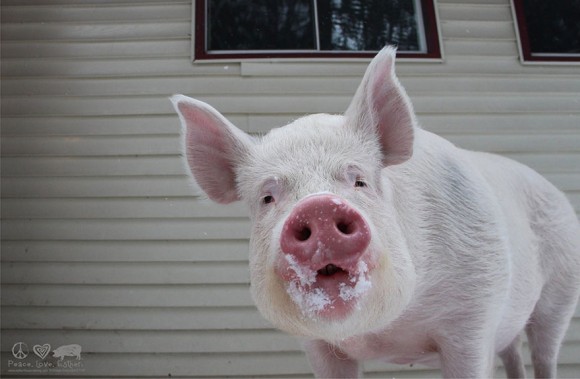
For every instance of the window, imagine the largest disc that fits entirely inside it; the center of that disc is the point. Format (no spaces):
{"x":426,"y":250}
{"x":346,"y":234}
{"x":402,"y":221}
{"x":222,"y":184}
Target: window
{"x":548,"y":30}
{"x":236,"y":29}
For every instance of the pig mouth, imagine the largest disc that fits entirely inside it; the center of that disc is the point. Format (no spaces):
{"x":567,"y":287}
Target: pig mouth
{"x":329,"y":270}
{"x":329,"y":291}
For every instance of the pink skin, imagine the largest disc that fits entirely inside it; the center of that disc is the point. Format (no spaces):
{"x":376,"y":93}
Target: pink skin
{"x":323,"y":242}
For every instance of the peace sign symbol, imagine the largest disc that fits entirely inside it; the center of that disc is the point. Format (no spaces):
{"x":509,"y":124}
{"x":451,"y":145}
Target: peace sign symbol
{"x":20,"y":350}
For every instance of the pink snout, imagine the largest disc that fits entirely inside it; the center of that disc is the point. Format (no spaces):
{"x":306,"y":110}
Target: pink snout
{"x":325,"y":234}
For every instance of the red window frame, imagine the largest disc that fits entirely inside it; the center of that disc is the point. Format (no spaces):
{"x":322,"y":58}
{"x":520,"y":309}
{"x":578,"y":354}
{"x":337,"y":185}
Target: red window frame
{"x":527,"y":54}
{"x":201,"y":53}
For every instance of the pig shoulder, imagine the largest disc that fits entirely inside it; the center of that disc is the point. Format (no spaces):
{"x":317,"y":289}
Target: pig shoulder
{"x":455,"y":231}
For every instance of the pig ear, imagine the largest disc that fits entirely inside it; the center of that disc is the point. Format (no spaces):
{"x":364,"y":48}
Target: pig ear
{"x":212,"y":146}
{"x":382,"y":107}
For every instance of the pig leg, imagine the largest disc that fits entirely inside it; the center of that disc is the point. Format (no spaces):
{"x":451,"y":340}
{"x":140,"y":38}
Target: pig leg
{"x":512,"y":360}
{"x":465,"y":357}
{"x":328,"y":361}
{"x":546,"y":329}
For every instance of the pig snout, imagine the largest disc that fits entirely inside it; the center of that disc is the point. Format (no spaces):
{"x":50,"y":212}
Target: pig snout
{"x":325,"y":233}
{"x":323,"y":244}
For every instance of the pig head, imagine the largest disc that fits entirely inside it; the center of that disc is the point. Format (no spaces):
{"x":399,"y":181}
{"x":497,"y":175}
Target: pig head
{"x":321,"y":265}
{"x":373,"y":238}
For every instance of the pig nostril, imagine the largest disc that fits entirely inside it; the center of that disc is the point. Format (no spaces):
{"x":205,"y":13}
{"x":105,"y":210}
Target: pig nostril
{"x":303,"y":234}
{"x":345,"y":228}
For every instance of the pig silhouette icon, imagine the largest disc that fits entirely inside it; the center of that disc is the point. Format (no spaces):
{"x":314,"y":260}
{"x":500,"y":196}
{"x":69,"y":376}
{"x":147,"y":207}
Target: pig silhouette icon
{"x":67,"y":351}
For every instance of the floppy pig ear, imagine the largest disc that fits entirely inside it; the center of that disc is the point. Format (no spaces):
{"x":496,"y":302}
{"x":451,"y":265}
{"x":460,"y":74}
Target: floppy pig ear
{"x":381,"y":106}
{"x":212,"y":146}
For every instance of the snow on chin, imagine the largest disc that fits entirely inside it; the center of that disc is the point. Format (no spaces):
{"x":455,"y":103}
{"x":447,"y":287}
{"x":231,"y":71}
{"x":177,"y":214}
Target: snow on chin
{"x":310,"y":301}
{"x":361,"y":284}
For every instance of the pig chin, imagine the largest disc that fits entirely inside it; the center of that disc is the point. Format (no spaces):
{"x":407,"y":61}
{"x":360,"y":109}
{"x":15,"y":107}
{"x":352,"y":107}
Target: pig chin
{"x":318,"y":310}
{"x":309,"y":304}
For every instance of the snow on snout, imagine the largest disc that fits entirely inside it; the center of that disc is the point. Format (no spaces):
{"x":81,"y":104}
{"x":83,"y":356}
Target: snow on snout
{"x":360,"y":283}
{"x":312,"y":299}
{"x":305,"y":276}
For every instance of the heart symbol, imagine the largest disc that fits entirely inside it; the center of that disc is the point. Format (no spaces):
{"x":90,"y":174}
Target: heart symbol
{"x":41,"y":350}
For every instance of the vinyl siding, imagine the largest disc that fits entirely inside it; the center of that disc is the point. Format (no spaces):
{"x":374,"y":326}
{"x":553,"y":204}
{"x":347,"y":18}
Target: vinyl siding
{"x":105,"y":243}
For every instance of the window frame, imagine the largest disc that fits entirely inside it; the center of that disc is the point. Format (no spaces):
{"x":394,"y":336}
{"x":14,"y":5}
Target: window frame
{"x":527,"y":56}
{"x":429,"y":17}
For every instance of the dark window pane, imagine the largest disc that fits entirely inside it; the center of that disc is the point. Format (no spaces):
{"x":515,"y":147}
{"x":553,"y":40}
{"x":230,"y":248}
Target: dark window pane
{"x":260,"y":25}
{"x":553,"y":26}
{"x":368,"y":24}
{"x":234,"y":29}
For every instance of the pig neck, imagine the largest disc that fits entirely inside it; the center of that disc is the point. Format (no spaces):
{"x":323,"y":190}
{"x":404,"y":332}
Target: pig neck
{"x":441,"y":202}
{"x":414,"y":183}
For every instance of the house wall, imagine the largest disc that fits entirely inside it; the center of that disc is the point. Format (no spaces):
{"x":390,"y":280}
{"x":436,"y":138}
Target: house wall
{"x":103,"y":244}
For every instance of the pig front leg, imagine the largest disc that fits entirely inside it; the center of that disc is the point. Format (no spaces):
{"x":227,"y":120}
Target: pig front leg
{"x":474,"y":359}
{"x":328,"y":361}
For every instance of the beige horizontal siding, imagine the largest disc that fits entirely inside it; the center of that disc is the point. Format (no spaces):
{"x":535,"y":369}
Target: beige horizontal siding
{"x":208,"y":86}
{"x":128,"y":273}
{"x":454,"y":65}
{"x":95,"y":186}
{"x":124,"y":251}
{"x":112,"y":208}
{"x":122,"y":229}
{"x":89,"y":14}
{"x":142,"y":318}
{"x":161,"y":295}
{"x":105,"y":242}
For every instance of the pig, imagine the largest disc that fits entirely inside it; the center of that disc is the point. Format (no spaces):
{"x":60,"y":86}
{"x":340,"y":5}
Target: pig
{"x":67,"y":351}
{"x":373,"y":238}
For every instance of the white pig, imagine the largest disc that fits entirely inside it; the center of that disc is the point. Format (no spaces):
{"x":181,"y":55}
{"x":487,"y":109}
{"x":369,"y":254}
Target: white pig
{"x":375,"y":239}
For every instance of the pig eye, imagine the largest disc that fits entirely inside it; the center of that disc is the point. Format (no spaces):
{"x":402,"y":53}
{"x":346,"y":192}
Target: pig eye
{"x":360,"y":183}
{"x":271,"y":190}
{"x":354,"y":175}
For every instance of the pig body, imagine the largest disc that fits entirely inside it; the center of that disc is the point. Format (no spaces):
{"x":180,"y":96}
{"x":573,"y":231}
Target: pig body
{"x":375,"y":239}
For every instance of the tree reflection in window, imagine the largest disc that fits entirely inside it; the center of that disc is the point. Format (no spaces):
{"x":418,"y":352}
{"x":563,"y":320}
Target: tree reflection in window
{"x":260,"y":25}
{"x":367,"y":24}
{"x":320,"y":25}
